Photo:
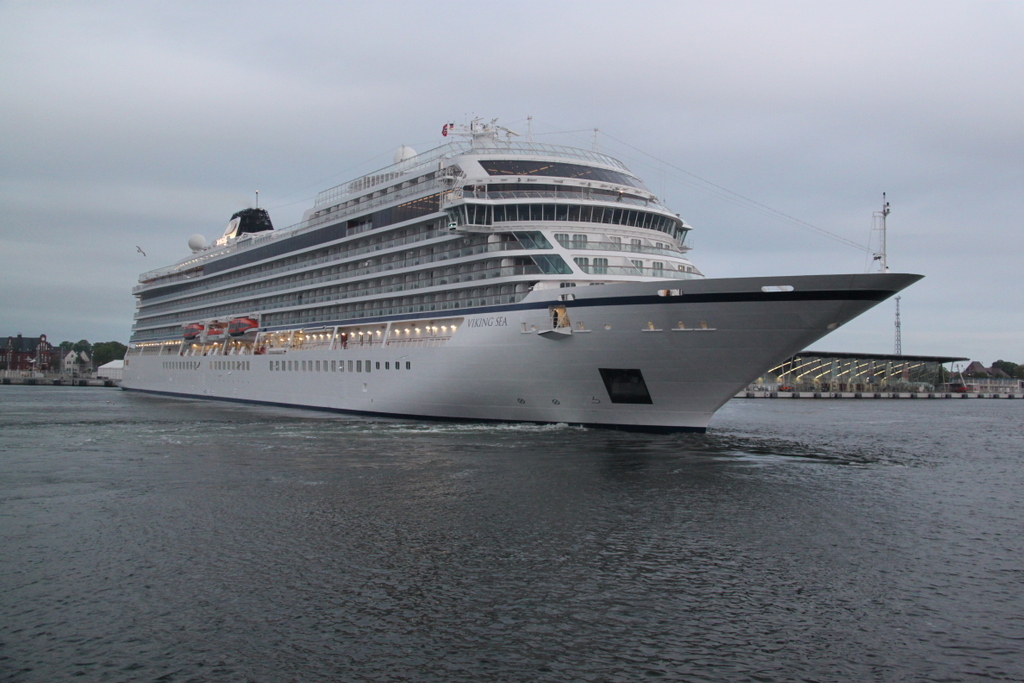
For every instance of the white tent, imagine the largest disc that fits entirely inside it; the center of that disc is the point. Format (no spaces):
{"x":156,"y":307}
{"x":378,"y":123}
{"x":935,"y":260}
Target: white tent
{"x":111,"y":370}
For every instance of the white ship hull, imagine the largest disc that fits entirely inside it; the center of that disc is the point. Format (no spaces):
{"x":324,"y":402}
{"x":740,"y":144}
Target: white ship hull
{"x":694,"y":348}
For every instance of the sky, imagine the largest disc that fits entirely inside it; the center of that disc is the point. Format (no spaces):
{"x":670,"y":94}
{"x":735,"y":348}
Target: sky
{"x":130,"y":126}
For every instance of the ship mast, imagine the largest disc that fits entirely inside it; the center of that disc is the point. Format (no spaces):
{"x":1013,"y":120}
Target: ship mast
{"x":880,"y":216}
{"x":898,"y":350}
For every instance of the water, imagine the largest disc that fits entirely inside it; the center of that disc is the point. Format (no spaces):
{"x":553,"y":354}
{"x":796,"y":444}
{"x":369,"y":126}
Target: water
{"x":149,"y":539}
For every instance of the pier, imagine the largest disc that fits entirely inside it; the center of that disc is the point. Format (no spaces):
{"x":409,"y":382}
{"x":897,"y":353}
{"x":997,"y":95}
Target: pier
{"x":62,"y":381}
{"x":873,"y":394}
{"x":824,"y":374}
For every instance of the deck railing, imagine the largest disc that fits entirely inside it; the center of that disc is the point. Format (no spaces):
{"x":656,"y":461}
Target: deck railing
{"x":337,"y":277}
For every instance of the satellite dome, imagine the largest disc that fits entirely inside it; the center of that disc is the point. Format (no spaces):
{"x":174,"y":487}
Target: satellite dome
{"x":404,"y":152}
{"x":197,"y":242}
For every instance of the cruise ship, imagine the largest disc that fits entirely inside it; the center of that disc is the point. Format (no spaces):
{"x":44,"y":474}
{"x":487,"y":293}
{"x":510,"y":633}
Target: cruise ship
{"x":491,"y":278}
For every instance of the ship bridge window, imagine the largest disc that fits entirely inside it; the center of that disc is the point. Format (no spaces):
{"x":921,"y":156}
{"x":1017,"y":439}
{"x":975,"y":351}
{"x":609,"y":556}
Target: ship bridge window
{"x":478,"y":214}
{"x":565,"y":213}
{"x":560,"y":170}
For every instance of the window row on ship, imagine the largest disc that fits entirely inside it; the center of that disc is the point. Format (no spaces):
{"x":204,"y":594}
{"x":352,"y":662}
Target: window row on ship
{"x":297,"y":260}
{"x":440,"y":301}
{"x":230,"y":303}
{"x":454,"y":249}
{"x":335,"y":366}
{"x":404,"y":333}
{"x":445,"y":300}
{"x":306,"y":269}
{"x":325,"y":228}
{"x":407,"y":187}
{"x":423,"y":279}
{"x":477,"y":215}
{"x":310,"y":294}
{"x":290,"y":365}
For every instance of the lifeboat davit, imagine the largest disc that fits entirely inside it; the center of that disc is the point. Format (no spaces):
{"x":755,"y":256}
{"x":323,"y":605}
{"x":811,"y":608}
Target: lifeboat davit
{"x":215,"y":331}
{"x":193,"y":330}
{"x":241,"y":326}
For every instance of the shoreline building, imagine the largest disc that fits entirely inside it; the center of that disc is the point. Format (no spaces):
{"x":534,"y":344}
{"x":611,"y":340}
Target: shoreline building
{"x":823,"y":371}
{"x":28,"y":354}
{"x":976,"y":378}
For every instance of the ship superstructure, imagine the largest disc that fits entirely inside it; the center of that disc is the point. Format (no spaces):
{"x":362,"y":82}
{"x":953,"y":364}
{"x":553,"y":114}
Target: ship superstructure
{"x":460,"y":282}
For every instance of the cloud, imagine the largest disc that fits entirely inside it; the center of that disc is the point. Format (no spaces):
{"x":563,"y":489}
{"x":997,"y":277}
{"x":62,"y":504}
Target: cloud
{"x":131,"y":123}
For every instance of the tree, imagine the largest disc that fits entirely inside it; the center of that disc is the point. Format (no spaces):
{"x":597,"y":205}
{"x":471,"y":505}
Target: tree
{"x":82,"y":345}
{"x":1006,"y":366}
{"x":104,"y":352}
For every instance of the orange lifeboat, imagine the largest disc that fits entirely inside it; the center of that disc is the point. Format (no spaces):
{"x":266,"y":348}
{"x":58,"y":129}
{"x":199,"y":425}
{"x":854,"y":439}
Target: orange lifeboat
{"x":214,"y":332}
{"x":193,"y":330}
{"x":241,"y":326}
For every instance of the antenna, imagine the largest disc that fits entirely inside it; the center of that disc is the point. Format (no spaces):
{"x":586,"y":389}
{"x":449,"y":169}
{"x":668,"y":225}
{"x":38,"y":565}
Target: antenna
{"x":899,"y":341}
{"x":529,"y":129}
{"x":482,"y":135}
{"x":257,"y":199}
{"x":595,"y":140}
{"x":879,"y":218}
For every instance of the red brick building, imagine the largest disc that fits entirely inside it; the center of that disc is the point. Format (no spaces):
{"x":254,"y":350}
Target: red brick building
{"x":29,"y":353}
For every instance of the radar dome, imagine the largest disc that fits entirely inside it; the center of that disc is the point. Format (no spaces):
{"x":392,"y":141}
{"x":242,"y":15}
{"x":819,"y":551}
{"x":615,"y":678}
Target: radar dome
{"x":404,"y":152}
{"x":197,"y":242}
